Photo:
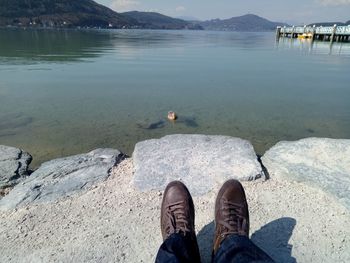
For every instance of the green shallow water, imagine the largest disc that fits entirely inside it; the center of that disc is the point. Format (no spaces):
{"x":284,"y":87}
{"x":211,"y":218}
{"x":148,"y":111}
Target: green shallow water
{"x":67,"y":92}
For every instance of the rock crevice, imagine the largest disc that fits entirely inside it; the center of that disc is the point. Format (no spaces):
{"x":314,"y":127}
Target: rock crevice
{"x":14,"y":166}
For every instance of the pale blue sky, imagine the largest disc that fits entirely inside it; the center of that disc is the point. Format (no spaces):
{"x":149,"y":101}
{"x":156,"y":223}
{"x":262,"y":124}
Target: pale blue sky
{"x":297,"y":11}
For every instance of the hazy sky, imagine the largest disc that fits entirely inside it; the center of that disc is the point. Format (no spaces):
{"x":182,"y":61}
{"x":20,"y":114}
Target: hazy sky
{"x":296,"y":11}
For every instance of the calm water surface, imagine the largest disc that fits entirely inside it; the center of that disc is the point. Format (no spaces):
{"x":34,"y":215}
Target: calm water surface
{"x":67,"y":92}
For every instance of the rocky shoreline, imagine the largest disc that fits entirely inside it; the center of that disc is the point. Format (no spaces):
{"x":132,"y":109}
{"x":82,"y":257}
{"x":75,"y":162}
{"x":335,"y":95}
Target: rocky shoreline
{"x":319,"y":162}
{"x":107,"y":204}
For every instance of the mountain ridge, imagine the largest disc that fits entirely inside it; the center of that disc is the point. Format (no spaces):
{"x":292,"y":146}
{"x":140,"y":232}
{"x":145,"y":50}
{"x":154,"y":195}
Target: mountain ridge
{"x":155,"y":20}
{"x":248,"y":22}
{"x":87,"y":13}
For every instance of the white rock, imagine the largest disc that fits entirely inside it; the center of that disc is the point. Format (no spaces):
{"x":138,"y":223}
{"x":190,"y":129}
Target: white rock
{"x":199,"y":161}
{"x":319,"y":162}
{"x":62,"y":177}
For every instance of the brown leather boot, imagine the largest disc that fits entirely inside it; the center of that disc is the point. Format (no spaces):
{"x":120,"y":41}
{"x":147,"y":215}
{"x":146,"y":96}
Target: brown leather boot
{"x":177,"y":212}
{"x":231,"y":212}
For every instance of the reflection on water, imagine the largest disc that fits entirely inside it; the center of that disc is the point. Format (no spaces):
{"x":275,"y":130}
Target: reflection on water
{"x":29,"y":46}
{"x":72,"y":45}
{"x":189,"y":122}
{"x":307,"y":46}
{"x":65,"y":91}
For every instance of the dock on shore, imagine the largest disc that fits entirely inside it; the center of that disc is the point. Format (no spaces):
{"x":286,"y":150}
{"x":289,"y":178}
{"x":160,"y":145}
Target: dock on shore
{"x":332,"y":33}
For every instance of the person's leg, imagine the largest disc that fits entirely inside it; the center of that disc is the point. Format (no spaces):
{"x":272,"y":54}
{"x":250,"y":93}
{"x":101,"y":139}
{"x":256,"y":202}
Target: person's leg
{"x":231,"y":241}
{"x":178,"y":248}
{"x":177,"y":225}
{"x":240,"y":249}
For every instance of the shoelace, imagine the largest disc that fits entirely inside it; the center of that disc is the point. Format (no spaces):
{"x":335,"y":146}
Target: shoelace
{"x":178,"y":221}
{"x":234,"y":221}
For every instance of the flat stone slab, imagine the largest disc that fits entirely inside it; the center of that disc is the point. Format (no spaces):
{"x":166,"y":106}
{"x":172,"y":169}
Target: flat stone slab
{"x":319,"y":162}
{"x":62,"y":177}
{"x":14,"y":164}
{"x":200,"y":161}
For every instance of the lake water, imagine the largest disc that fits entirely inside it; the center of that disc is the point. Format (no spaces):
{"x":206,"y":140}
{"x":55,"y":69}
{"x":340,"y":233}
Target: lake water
{"x":67,"y":92}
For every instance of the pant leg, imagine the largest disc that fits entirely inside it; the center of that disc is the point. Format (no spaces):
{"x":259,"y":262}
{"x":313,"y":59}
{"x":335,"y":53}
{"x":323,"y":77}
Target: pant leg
{"x":240,"y":249}
{"x":179,"y":249}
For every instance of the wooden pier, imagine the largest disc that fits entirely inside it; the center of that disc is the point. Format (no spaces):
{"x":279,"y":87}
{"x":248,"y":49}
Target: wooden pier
{"x":331,"y":33}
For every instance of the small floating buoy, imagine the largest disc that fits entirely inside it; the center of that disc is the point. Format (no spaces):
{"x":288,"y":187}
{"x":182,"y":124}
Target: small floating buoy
{"x":172,"y":115}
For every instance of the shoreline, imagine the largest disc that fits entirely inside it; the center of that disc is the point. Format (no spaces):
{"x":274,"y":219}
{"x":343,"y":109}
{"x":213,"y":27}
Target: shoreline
{"x":37,"y":162}
{"x":324,"y":160}
{"x":257,"y":148}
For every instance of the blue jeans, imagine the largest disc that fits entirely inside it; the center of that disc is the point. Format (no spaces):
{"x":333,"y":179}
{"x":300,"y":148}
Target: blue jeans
{"x":234,"y":249}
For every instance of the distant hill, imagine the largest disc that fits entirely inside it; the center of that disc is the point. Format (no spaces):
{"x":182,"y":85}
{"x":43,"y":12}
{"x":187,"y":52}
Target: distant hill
{"x":158,"y":21}
{"x":65,"y":13}
{"x":188,"y":18}
{"x":348,"y":22}
{"x":241,"y":23}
